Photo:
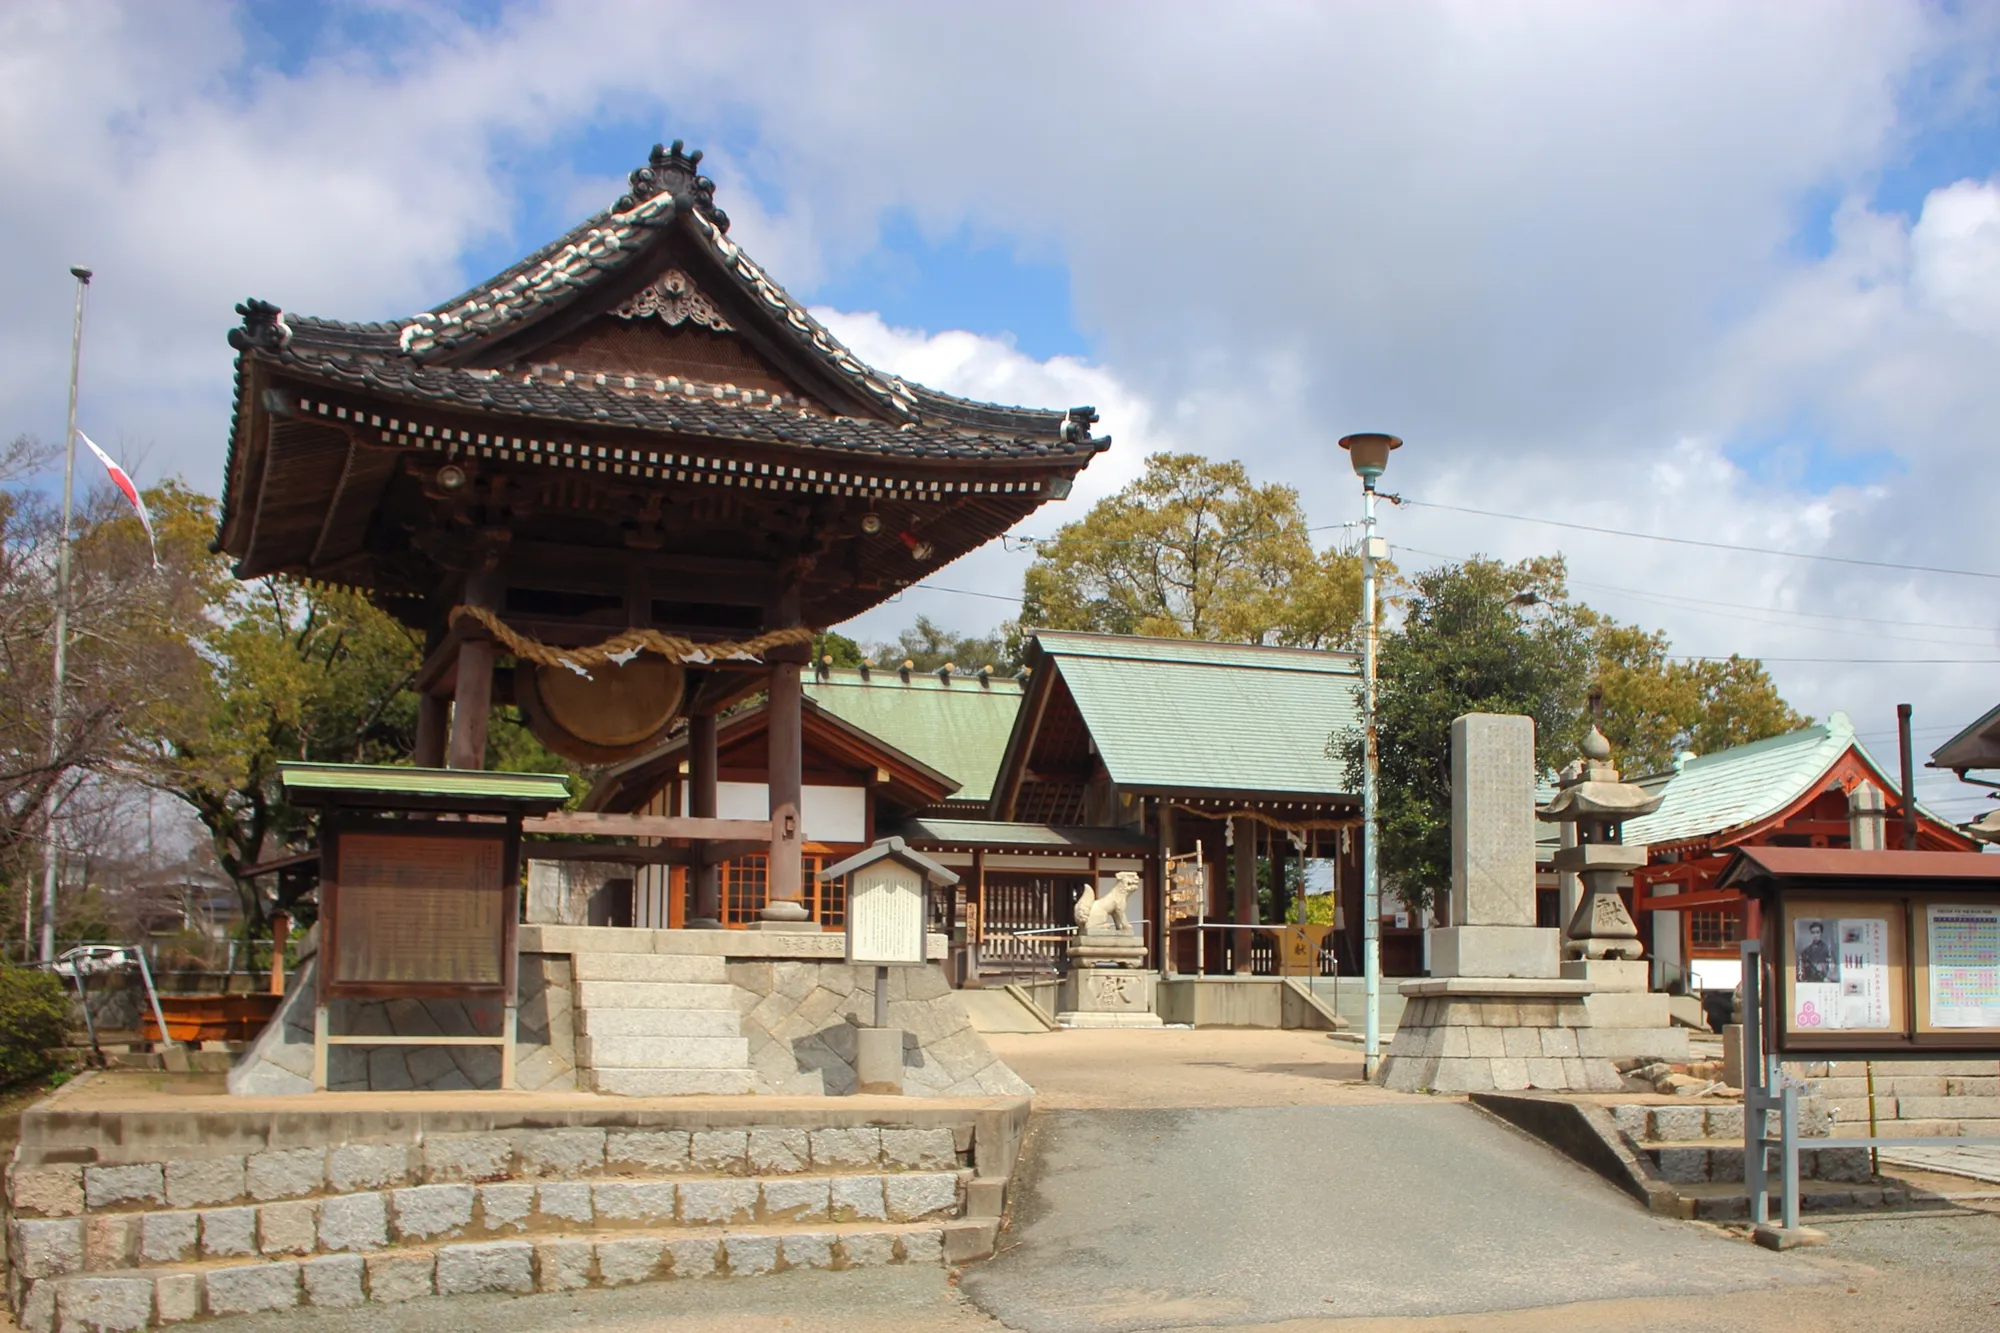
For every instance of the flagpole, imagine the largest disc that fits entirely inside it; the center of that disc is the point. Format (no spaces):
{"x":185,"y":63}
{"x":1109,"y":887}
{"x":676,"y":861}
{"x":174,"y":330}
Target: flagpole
{"x":49,"y":874}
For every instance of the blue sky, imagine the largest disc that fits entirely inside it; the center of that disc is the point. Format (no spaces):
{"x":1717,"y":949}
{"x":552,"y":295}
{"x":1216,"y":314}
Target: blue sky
{"x":1692,"y":267}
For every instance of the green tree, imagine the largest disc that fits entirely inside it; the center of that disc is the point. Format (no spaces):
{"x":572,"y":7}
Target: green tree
{"x":298,"y":672}
{"x":1656,"y":707}
{"x":1194,"y":549}
{"x":1481,"y":637}
{"x":133,"y":659}
{"x":927,"y":646}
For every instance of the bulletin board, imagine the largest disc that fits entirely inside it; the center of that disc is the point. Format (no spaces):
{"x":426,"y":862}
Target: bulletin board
{"x":1957,"y":971}
{"x":1843,"y":971}
{"x":418,"y":908}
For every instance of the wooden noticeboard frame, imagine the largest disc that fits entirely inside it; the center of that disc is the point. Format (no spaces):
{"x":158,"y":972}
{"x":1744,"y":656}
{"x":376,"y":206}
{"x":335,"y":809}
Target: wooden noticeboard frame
{"x":1912,"y":1028}
{"x":454,"y":967}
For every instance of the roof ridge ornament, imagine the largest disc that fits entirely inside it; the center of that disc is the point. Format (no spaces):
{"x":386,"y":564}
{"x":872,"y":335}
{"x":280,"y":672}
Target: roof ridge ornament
{"x":673,"y":297}
{"x":671,"y":170}
{"x":264,"y":327}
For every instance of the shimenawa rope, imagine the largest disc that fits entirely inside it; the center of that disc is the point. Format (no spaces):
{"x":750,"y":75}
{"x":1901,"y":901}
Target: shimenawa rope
{"x":623,"y":646}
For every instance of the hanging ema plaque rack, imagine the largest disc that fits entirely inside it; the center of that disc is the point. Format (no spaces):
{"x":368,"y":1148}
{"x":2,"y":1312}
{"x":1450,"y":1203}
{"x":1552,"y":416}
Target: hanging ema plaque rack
{"x":419,"y":894}
{"x":1869,"y":955}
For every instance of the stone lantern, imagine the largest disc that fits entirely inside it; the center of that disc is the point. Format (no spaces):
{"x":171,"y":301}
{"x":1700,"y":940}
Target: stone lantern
{"x":1594,"y":799}
{"x":1601,"y":943}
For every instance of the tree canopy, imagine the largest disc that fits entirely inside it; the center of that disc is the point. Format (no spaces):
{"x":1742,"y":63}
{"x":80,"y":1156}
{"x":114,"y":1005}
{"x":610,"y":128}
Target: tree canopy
{"x":1194,"y":549}
{"x":1492,"y":637}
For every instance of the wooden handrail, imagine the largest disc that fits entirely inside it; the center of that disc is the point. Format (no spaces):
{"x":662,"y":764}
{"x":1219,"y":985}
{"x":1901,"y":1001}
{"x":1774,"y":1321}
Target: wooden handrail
{"x":651,"y":826}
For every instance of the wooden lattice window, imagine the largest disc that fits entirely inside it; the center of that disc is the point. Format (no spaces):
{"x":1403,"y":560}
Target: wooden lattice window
{"x":745,"y":884}
{"x":1715,"y":928}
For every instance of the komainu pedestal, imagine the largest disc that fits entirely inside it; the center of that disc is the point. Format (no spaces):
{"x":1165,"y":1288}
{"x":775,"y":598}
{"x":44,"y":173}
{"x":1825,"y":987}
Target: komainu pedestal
{"x":1108,"y":986}
{"x":1108,"y":997}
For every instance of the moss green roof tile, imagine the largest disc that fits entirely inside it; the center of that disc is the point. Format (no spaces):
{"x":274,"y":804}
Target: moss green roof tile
{"x":394,"y":782}
{"x":1176,"y":714}
{"x":958,"y":729}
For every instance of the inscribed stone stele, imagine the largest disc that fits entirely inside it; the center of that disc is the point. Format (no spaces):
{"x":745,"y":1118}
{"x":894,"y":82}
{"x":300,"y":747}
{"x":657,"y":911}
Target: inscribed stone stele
{"x":1493,"y":820}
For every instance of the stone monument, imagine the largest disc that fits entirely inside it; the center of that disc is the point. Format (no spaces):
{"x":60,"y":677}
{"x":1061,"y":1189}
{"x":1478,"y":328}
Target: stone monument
{"x":1601,"y":943}
{"x":1108,"y":985}
{"x":1495,"y":1013}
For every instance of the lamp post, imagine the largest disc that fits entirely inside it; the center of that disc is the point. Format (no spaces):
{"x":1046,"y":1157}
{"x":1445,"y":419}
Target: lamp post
{"x":1369,"y":453}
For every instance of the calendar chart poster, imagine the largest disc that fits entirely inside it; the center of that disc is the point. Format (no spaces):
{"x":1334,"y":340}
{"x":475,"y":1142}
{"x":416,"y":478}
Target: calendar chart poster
{"x":1964,"y":965}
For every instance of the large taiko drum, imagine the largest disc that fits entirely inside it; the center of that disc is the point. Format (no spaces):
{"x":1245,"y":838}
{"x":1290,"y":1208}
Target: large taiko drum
{"x":615,"y":712}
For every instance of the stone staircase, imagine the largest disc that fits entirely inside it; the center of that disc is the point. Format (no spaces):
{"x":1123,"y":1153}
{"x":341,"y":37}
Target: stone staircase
{"x":658,"y":1025}
{"x":141,"y":1244}
{"x":1912,"y":1099}
{"x":1698,"y":1150}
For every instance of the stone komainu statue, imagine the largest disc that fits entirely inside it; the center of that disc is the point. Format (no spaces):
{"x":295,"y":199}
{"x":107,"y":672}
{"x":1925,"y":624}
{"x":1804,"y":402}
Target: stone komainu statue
{"x":1105,"y":915}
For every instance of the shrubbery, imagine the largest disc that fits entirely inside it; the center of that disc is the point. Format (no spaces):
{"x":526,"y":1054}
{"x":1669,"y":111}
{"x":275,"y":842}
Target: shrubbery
{"x":34,"y":1021}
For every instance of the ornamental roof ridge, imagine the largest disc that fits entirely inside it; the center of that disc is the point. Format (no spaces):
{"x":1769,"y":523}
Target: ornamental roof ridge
{"x":665,"y":192}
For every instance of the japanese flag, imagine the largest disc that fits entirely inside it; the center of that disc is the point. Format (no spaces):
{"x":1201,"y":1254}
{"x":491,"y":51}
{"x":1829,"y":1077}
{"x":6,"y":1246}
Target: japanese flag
{"x":123,"y":481}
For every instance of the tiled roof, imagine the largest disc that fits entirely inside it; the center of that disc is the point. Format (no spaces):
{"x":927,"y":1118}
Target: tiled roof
{"x":1178,"y":714}
{"x":959,"y":729}
{"x":1746,"y":784}
{"x":413,"y":356}
{"x":1978,"y":746}
{"x":682,"y":407}
{"x":1000,"y":833}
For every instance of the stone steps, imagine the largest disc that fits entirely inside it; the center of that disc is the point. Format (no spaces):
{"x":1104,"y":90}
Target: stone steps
{"x":133,"y":1298}
{"x":658,"y":1023}
{"x":1692,"y":1162}
{"x":674,"y":1082}
{"x":654,"y":994}
{"x":1854,"y":1124}
{"x":1729,"y":1202}
{"x":659,"y":1052}
{"x":657,"y":967}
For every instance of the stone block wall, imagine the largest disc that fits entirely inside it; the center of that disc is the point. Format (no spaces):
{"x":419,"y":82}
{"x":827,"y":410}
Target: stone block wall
{"x":127,"y":1220}
{"x":1912,"y":1098}
{"x":801,"y":1016}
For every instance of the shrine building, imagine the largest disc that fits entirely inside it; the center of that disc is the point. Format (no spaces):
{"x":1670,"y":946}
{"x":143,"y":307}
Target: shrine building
{"x":616,"y":486}
{"x":1814,"y":787}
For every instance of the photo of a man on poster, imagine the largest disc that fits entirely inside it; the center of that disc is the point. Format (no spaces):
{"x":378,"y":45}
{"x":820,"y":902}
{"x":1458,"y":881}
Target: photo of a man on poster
{"x":1817,"y":960}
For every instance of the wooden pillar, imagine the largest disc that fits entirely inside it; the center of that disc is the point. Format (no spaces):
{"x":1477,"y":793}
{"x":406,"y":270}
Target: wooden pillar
{"x":1281,"y":892}
{"x":701,"y":805}
{"x":472,"y":704}
{"x":281,"y":934}
{"x":433,"y":716}
{"x":975,"y":933}
{"x":784,"y":772}
{"x":1244,"y":882}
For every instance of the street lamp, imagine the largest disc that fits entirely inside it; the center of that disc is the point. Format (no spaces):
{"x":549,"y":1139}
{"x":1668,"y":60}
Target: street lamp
{"x":1369,"y":453}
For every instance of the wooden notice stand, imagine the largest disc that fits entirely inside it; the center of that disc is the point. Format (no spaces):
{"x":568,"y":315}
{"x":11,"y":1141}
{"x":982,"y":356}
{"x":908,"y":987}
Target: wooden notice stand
{"x":419,"y":891}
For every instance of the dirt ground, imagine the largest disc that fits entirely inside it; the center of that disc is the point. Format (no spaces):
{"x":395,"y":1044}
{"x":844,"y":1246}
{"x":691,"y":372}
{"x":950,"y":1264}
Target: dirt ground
{"x":1185,"y":1067}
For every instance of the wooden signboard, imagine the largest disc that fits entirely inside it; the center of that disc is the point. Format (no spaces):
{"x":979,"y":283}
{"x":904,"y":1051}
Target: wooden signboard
{"x":886,"y":921}
{"x":421,"y":909}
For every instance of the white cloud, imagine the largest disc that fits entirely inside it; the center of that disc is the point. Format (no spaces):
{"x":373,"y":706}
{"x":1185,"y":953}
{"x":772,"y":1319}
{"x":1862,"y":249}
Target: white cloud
{"x":1551,"y":245}
{"x":1955,"y":250}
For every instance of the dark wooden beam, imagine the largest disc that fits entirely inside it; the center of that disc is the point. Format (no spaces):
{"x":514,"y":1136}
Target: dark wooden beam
{"x":649,"y":826}
{"x":701,"y":804}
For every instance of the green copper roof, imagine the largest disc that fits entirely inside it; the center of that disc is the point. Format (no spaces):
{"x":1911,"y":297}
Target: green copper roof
{"x":1177,"y":714}
{"x":430,"y":785}
{"x":1747,"y":784}
{"x":958,"y":729}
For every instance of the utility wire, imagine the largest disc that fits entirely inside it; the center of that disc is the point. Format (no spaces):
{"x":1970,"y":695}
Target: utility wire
{"x":1713,"y":546}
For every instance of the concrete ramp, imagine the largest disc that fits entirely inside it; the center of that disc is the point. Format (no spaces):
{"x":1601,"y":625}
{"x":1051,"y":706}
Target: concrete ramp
{"x":1001,"y":1010}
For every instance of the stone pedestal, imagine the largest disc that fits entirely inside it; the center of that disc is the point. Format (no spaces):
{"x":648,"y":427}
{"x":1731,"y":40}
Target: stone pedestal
{"x":1468,"y":1034}
{"x":878,"y":1061}
{"x":1495,"y":951}
{"x":1108,"y":997}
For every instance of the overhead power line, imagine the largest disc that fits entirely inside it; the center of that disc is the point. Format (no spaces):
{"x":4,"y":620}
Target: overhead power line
{"x":1709,"y":545}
